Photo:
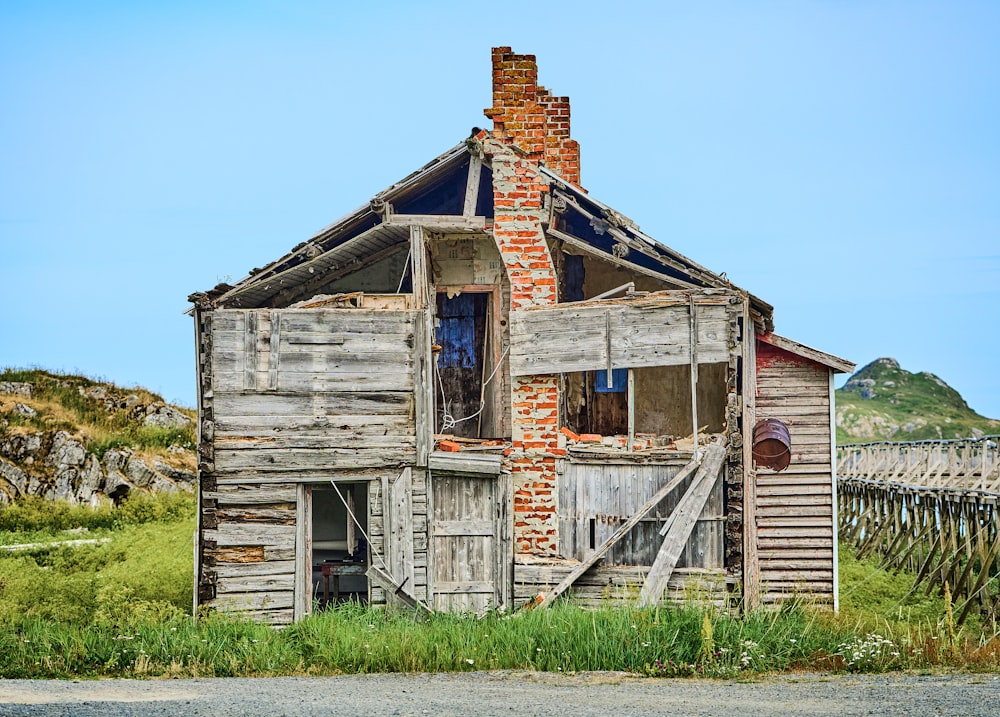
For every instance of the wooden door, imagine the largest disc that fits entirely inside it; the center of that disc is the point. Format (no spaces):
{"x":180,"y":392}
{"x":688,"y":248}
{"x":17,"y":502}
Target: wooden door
{"x":471,"y":556}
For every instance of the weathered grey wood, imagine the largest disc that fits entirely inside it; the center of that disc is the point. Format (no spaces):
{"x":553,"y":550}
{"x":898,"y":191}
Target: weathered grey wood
{"x":472,"y":186}
{"x":465,"y":462}
{"x":682,"y":522}
{"x":399,"y":530}
{"x":423,"y":390}
{"x":586,"y":249}
{"x":283,"y":568}
{"x":239,"y":534}
{"x":641,"y":332}
{"x":281,"y":460}
{"x":617,"y":535}
{"x":303,"y":552}
{"x":244,"y":601}
{"x":344,"y":401}
{"x":394,"y":591}
{"x":834,"y":362}
{"x":252,"y":494}
{"x":440,"y":222}
{"x":693,"y":346}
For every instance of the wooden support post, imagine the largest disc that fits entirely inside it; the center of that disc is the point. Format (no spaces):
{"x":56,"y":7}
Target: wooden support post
{"x":630,"y":398}
{"x":693,"y":332}
{"x":424,"y":389}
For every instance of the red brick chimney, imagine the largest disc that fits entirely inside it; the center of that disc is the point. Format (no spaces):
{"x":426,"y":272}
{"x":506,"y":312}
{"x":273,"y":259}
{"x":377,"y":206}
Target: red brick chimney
{"x":529,"y":117}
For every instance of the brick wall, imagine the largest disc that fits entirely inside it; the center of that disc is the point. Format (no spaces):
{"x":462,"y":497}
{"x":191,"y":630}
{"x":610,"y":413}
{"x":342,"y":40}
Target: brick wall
{"x":530,"y":126}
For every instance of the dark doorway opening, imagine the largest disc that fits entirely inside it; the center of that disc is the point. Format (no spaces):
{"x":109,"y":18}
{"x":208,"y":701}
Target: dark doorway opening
{"x":463,"y":365}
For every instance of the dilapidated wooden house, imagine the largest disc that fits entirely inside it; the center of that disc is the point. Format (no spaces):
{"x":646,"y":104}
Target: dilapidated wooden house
{"x":487,"y":388}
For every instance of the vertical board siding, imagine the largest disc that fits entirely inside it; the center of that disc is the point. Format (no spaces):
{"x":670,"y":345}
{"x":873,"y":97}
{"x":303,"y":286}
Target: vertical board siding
{"x":794,"y":508}
{"x":595,"y":499}
{"x":471,"y":543}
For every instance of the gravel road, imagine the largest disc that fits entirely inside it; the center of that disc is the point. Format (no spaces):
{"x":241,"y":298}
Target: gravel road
{"x":509,"y":693}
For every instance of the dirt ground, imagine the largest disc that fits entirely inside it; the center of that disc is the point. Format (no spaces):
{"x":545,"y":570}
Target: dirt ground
{"x":510,"y":693}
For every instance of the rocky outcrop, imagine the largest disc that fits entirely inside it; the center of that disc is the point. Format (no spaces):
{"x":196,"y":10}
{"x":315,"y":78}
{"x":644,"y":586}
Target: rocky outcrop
{"x":58,"y":466}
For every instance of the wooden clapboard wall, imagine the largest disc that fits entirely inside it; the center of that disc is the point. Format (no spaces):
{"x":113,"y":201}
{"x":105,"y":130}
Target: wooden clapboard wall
{"x":652,"y":330}
{"x":795,"y":508}
{"x":296,"y":396}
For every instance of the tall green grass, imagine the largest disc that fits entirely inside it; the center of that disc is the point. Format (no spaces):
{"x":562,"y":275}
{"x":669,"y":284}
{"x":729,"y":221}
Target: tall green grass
{"x":121,"y":609}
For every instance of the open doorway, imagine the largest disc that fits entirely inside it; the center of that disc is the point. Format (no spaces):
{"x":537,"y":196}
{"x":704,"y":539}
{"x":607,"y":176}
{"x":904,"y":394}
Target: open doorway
{"x":339,"y":550}
{"x":466,"y":335}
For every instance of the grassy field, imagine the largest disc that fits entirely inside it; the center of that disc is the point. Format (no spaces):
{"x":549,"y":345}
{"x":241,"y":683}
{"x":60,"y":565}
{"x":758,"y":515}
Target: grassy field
{"x":120,"y":608}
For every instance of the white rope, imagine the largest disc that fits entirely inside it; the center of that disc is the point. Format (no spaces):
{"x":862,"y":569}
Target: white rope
{"x":447,"y":420}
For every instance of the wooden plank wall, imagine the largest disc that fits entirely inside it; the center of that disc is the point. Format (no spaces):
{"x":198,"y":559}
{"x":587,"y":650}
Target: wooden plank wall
{"x":620,"y":583}
{"x":795,"y":509}
{"x":595,"y":498}
{"x":379,"y":521}
{"x":309,"y":391}
{"x":296,"y":396}
{"x":647,"y":331}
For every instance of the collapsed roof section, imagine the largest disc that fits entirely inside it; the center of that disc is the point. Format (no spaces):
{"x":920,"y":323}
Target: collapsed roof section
{"x":453,"y":193}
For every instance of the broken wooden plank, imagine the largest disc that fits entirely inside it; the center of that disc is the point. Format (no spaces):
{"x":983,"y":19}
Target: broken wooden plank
{"x":545,"y":598}
{"x":395,"y":592}
{"x":682,"y":522}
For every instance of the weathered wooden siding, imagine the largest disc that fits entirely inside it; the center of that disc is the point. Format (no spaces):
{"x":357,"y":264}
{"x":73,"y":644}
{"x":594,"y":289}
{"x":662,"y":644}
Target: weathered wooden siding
{"x":794,"y":508}
{"x":298,"y":396}
{"x":619,"y":583}
{"x":404,"y":549}
{"x":595,"y":498}
{"x":590,"y":336}
{"x":311,"y":391}
{"x":249,"y":550}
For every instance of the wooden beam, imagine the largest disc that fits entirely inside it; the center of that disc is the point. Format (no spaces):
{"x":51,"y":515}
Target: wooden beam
{"x":693,"y":341}
{"x":544,"y":599}
{"x":581,"y":245}
{"x":472,"y":186}
{"x":423,"y":399}
{"x":395,"y":592}
{"x":439,"y":222}
{"x":751,"y":560}
{"x":682,"y":522}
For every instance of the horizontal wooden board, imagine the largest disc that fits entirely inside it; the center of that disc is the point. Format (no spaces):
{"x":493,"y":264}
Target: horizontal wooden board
{"x":796,"y":554}
{"x":264,"y":494}
{"x":795,"y":490}
{"x":263,"y":426}
{"x":254,"y":583}
{"x":775,"y":540}
{"x":238,"y":602}
{"x":241,"y":534}
{"x":338,"y":439}
{"x":312,"y":459}
{"x":345,"y":401}
{"x":358,"y":380}
{"x":273,"y":567}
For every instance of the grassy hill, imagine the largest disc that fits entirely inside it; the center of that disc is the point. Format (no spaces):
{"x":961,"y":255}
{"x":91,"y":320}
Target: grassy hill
{"x":80,"y":439}
{"x":883,"y":402}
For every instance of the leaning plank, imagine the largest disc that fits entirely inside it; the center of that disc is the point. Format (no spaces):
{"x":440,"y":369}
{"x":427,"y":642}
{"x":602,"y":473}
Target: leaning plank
{"x":394,"y":592}
{"x":544,"y":599}
{"x":682,"y":522}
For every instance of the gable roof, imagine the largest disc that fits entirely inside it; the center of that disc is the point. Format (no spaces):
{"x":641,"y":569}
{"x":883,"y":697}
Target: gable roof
{"x":434,"y":196}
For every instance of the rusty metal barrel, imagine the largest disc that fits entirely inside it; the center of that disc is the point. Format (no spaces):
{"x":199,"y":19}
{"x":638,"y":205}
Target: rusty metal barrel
{"x":772,"y":445}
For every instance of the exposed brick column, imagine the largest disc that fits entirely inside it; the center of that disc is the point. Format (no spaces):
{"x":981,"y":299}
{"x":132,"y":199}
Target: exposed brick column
{"x":530,"y":126}
{"x":517,"y":229}
{"x":527,"y":115}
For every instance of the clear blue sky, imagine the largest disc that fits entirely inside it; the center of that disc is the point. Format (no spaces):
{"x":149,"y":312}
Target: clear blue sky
{"x":839,"y":159}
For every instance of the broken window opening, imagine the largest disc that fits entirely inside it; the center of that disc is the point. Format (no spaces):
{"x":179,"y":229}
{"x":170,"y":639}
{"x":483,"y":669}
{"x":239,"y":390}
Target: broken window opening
{"x":661,"y":406}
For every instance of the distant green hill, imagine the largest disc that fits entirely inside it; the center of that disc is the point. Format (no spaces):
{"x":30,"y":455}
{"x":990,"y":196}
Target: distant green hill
{"x":883,"y":402}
